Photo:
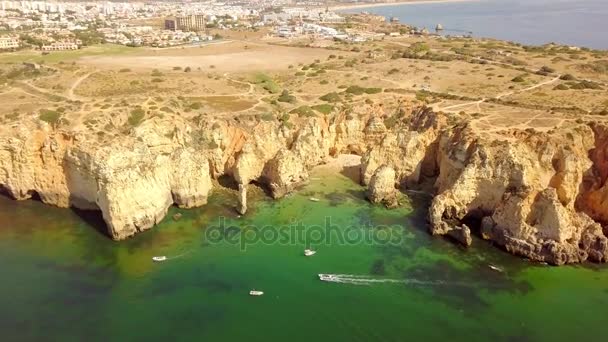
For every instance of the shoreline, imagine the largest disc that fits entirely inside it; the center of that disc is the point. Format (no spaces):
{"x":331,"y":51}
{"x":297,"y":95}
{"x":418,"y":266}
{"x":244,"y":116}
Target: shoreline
{"x":397,"y":3}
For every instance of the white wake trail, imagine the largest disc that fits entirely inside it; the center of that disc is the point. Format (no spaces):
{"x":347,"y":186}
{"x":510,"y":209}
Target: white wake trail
{"x":364,"y":280}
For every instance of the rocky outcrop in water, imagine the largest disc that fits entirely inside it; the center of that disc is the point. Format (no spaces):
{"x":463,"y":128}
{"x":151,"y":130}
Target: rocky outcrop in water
{"x":381,"y":187}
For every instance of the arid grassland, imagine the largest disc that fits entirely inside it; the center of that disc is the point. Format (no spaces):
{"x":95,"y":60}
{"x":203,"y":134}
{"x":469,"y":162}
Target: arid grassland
{"x":105,"y":90}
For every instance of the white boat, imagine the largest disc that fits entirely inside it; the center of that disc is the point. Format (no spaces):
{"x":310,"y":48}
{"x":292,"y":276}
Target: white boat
{"x":495,"y":268}
{"x":327,"y":277}
{"x":255,"y":293}
{"x":159,"y":258}
{"x":314,"y":199}
{"x":309,"y":252}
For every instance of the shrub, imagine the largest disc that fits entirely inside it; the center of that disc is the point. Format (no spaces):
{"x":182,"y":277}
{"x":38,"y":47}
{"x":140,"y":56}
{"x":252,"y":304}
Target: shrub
{"x":355,"y":90}
{"x":547,"y":69}
{"x":331,"y":97}
{"x":323,"y":108}
{"x":393,"y":71}
{"x":157,"y":73}
{"x":157,"y":80}
{"x":373,"y":90}
{"x":304,"y":111}
{"x":267,"y":116}
{"x":136,"y":116}
{"x":286,"y":97}
{"x":125,"y":70}
{"x":177,"y":68}
{"x":422,"y":95}
{"x":561,"y":87}
{"x":567,"y":77}
{"x":50,"y":116}
{"x":187,"y":69}
{"x":267,"y":83}
{"x":518,"y":79}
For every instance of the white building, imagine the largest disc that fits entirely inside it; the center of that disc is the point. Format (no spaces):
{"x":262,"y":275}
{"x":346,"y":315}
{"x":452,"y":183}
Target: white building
{"x":62,"y":45}
{"x":7,"y":43}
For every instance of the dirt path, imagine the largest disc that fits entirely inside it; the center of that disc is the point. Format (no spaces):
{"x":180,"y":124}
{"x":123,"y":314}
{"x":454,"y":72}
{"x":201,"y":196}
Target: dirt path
{"x":498,"y":97}
{"x":75,"y":85}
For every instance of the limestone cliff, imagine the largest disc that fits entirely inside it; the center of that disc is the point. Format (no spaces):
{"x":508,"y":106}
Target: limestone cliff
{"x":542,"y":195}
{"x":382,"y":187}
{"x":517,"y":188}
{"x":132,"y":182}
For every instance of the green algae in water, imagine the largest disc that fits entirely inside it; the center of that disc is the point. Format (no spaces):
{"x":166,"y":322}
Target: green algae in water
{"x":64,"y":280}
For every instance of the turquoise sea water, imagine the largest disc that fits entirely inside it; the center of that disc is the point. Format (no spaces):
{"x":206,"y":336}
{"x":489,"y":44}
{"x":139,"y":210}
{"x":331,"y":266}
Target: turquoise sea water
{"x":62,"y":280}
{"x":574,"y":22}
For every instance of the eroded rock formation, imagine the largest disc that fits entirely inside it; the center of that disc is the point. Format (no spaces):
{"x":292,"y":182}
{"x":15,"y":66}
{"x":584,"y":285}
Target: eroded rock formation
{"x":542,"y":195}
{"x":133,"y":182}
{"x":382,"y":187}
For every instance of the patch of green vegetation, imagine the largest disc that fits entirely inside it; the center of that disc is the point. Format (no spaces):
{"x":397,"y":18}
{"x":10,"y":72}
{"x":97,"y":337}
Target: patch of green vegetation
{"x":157,"y":73}
{"x":323,"y":108}
{"x":357,"y":90}
{"x":331,"y":97}
{"x":136,"y":116}
{"x":422,"y":95}
{"x":304,"y":111}
{"x":267,"y":117}
{"x":50,"y":116}
{"x":596,"y":67}
{"x":195,"y":106}
{"x":582,"y":85}
{"x":567,"y":77}
{"x":286,"y":97}
{"x":65,"y":56}
{"x":394,"y":119}
{"x":267,"y":83}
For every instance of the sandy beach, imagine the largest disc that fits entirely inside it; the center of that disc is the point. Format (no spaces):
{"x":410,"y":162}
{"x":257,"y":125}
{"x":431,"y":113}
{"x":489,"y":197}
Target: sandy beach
{"x":397,"y":3}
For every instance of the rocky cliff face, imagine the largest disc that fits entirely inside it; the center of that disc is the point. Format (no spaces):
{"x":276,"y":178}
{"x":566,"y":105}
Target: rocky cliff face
{"x":132,"y":182}
{"x":382,"y":187}
{"x":540,"y":195}
{"x":519,"y":189}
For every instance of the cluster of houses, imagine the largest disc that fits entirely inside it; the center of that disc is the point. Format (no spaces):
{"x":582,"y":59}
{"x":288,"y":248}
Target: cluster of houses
{"x":149,"y":36}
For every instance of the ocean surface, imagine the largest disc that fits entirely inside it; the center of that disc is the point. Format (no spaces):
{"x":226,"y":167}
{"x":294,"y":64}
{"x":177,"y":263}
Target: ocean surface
{"x":573,"y":22}
{"x":63,"y":280}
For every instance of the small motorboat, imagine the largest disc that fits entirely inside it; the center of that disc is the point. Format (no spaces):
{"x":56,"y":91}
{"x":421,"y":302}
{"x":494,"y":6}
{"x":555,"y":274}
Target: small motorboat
{"x":159,"y":258}
{"x":255,"y":293}
{"x":309,"y":252}
{"x":314,"y":199}
{"x":327,"y":277}
{"x":495,"y":268}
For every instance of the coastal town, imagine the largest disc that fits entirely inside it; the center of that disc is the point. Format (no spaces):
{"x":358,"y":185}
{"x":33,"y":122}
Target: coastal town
{"x":54,"y":26}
